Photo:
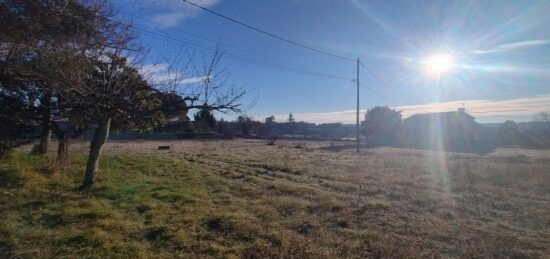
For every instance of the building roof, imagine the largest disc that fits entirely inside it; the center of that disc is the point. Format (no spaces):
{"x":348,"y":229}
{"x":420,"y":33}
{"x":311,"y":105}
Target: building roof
{"x":441,"y":115}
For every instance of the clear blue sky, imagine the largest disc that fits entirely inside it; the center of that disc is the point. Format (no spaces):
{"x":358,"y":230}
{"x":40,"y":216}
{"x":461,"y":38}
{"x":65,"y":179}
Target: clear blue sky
{"x":501,"y":49}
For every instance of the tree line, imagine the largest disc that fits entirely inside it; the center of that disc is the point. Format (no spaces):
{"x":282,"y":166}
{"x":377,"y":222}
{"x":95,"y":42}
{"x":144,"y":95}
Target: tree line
{"x":67,"y":67}
{"x":382,"y":126}
{"x":206,"y":125}
{"x":385,"y":126}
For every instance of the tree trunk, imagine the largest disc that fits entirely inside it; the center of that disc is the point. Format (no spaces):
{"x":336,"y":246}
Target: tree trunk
{"x":63,"y":151}
{"x":100,"y":137}
{"x":46,"y":137}
{"x":45,"y":141}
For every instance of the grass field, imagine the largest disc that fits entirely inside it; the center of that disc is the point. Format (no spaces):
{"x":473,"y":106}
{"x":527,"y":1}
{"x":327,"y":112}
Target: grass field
{"x":245,"y":199}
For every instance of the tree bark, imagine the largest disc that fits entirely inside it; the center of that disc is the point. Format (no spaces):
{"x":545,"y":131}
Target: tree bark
{"x":46,"y":138}
{"x":45,"y":141}
{"x":100,"y":137}
{"x":63,"y":151}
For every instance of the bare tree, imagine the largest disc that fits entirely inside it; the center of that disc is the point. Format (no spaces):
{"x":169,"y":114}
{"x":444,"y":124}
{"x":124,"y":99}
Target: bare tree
{"x":119,"y":93}
{"x":116,"y":93}
{"x":215,"y":92}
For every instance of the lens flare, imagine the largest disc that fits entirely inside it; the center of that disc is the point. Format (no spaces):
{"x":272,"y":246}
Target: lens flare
{"x":438,"y":64}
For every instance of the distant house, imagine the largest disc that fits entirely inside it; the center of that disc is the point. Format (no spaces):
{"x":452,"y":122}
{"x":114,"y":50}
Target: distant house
{"x":451,"y":131}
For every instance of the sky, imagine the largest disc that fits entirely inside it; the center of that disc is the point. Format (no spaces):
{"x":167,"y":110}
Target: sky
{"x":500,"y":52}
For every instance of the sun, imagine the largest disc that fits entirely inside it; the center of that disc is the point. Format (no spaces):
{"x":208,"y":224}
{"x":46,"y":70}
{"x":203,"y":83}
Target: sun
{"x":439,"y":64}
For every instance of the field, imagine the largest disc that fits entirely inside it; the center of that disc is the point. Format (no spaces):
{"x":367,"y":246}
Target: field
{"x":246,"y":199}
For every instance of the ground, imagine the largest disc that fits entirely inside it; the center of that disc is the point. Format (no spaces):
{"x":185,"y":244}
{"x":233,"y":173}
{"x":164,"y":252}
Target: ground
{"x":246,"y":199}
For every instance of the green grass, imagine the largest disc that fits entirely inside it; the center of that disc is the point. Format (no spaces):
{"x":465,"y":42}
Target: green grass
{"x":142,"y":206}
{"x":44,"y":216}
{"x":276,"y":202}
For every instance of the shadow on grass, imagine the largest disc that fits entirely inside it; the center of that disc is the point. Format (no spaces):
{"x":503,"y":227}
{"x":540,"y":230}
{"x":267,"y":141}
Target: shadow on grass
{"x":10,"y":179}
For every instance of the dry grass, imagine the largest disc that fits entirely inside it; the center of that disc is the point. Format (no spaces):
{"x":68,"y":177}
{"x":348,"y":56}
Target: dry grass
{"x":292,"y":200}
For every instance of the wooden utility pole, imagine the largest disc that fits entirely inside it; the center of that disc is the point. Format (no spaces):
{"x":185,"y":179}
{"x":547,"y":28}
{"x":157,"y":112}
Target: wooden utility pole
{"x":357,"y":135}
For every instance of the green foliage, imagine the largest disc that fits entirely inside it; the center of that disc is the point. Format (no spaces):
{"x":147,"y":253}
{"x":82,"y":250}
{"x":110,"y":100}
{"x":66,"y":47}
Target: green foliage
{"x":11,"y":130}
{"x":173,"y":105}
{"x":291,"y":118}
{"x":381,"y":125}
{"x":246,"y":124}
{"x":381,"y":120}
{"x":509,"y":134}
{"x":204,"y":120}
{"x":42,"y":62}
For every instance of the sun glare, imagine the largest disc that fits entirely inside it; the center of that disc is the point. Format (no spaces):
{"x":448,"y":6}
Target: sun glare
{"x":439,"y":64}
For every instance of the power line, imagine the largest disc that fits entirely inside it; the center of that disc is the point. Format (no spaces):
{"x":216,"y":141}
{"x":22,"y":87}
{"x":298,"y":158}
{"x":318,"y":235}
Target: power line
{"x":377,"y":94}
{"x":379,"y":80}
{"x":255,"y":60}
{"x":297,"y":44}
{"x":374,"y":75}
{"x":242,"y":51}
{"x":268,"y":33}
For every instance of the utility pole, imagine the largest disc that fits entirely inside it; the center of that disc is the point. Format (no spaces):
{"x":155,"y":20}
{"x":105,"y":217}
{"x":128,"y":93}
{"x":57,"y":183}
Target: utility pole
{"x":357,"y":136}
